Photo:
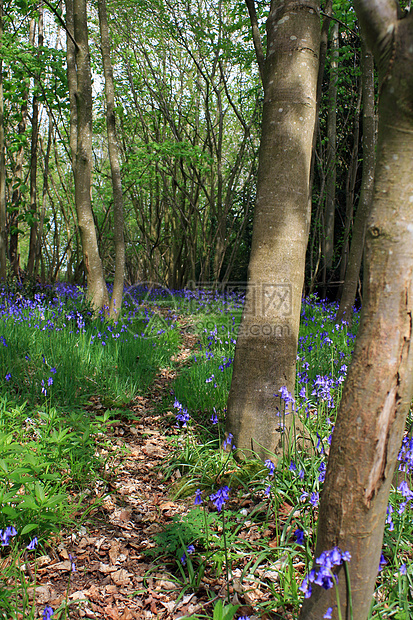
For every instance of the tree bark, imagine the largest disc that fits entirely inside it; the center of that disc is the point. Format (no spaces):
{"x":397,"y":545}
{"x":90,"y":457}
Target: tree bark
{"x":96,"y":286}
{"x":265,"y":355}
{"x":331,"y":174}
{"x":348,"y":296}
{"x":116,"y":299}
{"x":379,"y":387}
{"x":33,"y":244}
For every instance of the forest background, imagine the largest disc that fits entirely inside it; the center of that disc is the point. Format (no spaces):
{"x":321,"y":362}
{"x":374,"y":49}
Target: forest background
{"x":188,"y":101}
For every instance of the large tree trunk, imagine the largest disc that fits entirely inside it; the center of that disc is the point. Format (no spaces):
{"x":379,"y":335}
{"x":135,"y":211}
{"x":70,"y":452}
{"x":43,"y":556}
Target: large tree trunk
{"x":265,"y":356}
{"x":96,"y":286}
{"x":379,"y":388}
{"x":116,"y":299}
{"x":3,"y":235}
{"x":348,"y":295}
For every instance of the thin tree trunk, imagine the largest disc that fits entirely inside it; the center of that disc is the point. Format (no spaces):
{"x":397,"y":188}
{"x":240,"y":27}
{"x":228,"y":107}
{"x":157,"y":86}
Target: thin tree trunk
{"x":348,"y":295}
{"x":350,"y":190}
{"x":96,"y":286}
{"x":331,"y":172}
{"x":379,"y":387}
{"x":44,"y":196}
{"x":33,"y":164}
{"x":116,"y":299}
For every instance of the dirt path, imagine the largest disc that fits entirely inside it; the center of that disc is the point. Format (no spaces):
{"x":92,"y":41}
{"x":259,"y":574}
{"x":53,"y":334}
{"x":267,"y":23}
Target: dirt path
{"x":111,"y":580}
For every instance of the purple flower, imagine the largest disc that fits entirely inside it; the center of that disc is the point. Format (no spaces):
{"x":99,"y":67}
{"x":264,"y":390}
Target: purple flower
{"x":47,"y":613}
{"x":5,"y":535}
{"x":183,"y":559}
{"x":314,"y":499}
{"x":8,"y":377}
{"x":328,"y":613}
{"x":32,"y":544}
{"x":382,"y":562}
{"x":268,"y":491}
{"x":270,"y":465}
{"x":214,"y":418}
{"x":306,"y":587}
{"x":228,"y":441}
{"x":50,"y":381}
{"x":403,"y":569}
{"x":53,"y":370}
{"x":220,"y":497}
{"x":72,"y":560}
{"x":322,"y":575}
{"x":198,"y":497}
{"x":299,"y":535}
{"x":190,"y":549}
{"x":293,"y":466}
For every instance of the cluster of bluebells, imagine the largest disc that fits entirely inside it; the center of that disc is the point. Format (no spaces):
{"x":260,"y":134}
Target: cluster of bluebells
{"x":6,"y":535}
{"x":9,"y":533}
{"x":322,"y":387}
{"x":227,"y":443}
{"x":47,"y":612}
{"x":322,"y":574}
{"x":220,"y":497}
{"x":405,"y":455}
{"x":182,"y":415}
{"x":288,"y":399}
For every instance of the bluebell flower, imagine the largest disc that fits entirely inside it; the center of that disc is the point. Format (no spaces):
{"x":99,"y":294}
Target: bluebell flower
{"x":5,"y":535}
{"x":403,"y":569}
{"x":32,"y":544}
{"x":8,"y":377}
{"x":382,"y":562}
{"x":228,"y":441}
{"x":214,"y":418}
{"x":220,"y":497}
{"x":268,"y":491}
{"x":270,"y":465}
{"x":314,"y":498}
{"x":47,"y":613}
{"x":50,"y":381}
{"x":299,"y":535}
{"x":322,"y":575}
{"x":198,"y":497}
{"x":328,"y":613}
{"x":293,"y":466}
{"x":72,"y":560}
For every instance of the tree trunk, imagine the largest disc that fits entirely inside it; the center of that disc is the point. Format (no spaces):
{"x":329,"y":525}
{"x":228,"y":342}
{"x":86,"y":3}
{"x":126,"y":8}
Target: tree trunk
{"x":348,"y":295}
{"x":3,"y":235}
{"x":16,"y":199}
{"x":379,"y":387}
{"x":96,"y":286}
{"x":116,"y":299}
{"x":331,"y":174}
{"x":265,"y":355}
{"x":31,"y":261}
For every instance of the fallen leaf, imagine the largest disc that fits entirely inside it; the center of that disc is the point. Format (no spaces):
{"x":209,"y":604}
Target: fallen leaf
{"x":121,"y":577}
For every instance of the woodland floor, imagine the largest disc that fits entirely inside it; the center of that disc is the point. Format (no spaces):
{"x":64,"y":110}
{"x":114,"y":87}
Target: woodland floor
{"x":114,"y":578}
